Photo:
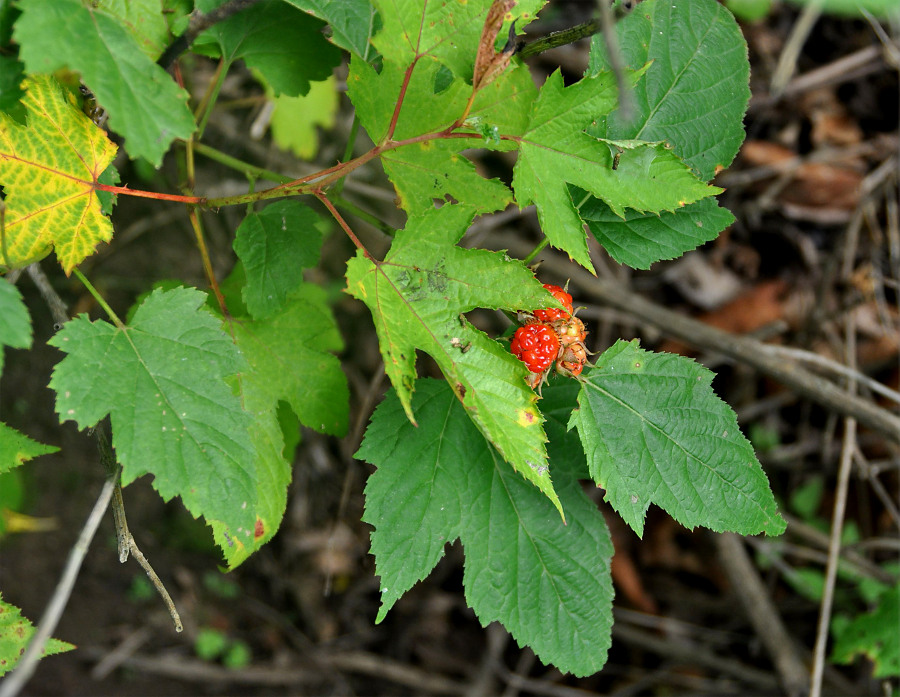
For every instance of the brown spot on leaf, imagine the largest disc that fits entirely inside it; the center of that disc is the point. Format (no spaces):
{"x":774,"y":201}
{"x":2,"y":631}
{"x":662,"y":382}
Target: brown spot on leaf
{"x":259,"y":529}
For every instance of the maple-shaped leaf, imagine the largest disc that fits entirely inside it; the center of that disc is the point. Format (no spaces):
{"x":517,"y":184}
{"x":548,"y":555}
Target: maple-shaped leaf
{"x":654,"y":431}
{"x":279,"y":41}
{"x":275,"y":245}
{"x":448,"y":31}
{"x":547,"y":582}
{"x":417,"y":297}
{"x":144,"y":103}
{"x":555,"y":150}
{"x":437,"y":168}
{"x":48,"y":170}
{"x":290,"y":361}
{"x":16,"y":448}
{"x":161,"y":379}
{"x":15,"y":633}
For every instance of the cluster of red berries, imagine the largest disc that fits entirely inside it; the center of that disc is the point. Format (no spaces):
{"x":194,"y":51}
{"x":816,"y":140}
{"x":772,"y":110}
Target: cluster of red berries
{"x":551,"y":336}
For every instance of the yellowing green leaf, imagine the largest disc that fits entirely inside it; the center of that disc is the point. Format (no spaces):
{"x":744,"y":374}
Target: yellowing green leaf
{"x":17,"y":448}
{"x":15,"y":632}
{"x":417,"y":296}
{"x":48,"y":170}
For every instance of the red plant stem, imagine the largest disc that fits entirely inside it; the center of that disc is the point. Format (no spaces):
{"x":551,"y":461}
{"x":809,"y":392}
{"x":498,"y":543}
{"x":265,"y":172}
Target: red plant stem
{"x":304,"y":185}
{"x":343,"y":223}
{"x":125,"y":191}
{"x":403,"y":87}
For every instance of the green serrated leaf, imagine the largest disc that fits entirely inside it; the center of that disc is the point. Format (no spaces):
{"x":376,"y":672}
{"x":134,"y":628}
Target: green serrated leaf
{"x":288,"y":363}
{"x":547,"y":582}
{"x":447,"y":31}
{"x":143,"y":102}
{"x":655,"y":432}
{"x":417,"y":296}
{"x":696,"y":90}
{"x":279,"y":41}
{"x":17,"y":448}
{"x":640,"y":239}
{"x":290,"y":358}
{"x":162,"y":381}
{"x":555,"y":150}
{"x":15,"y":323}
{"x":436,"y":168}
{"x":15,"y":632}
{"x":275,"y":245}
{"x":873,"y":635}
{"x":353,"y":23}
{"x":143,"y":19}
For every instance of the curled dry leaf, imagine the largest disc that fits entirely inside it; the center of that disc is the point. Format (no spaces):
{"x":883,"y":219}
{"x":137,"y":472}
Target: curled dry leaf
{"x":488,"y":62}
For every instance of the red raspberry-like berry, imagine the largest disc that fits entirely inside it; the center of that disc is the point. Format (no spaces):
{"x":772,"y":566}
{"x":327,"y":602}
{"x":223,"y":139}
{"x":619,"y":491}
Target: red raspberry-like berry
{"x":569,"y":331}
{"x":536,"y":345}
{"x":552,"y":314}
{"x":571,"y":359}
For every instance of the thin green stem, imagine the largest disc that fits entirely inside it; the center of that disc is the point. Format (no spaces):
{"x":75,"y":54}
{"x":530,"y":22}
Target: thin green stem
{"x":209,"y":99}
{"x":252,"y":171}
{"x":537,"y":250}
{"x":353,"y":209}
{"x":99,"y":298}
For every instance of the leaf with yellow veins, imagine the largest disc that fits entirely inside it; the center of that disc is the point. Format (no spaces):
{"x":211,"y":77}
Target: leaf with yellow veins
{"x":49,"y":169}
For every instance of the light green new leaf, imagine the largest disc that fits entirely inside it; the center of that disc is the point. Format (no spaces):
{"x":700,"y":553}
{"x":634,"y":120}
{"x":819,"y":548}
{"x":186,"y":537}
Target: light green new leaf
{"x":143,"y":102}
{"x":162,"y":381}
{"x":437,"y":169}
{"x":17,"y":448}
{"x":547,"y":582}
{"x":448,"y":31}
{"x":640,"y":239}
{"x":15,"y":324}
{"x":555,"y":150}
{"x":654,"y":431}
{"x":275,"y":245}
{"x":696,"y":90}
{"x":295,"y":120}
{"x":281,"y":42}
{"x":353,"y":23}
{"x":15,"y":633}
{"x":417,"y":297}
{"x":288,"y":362}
